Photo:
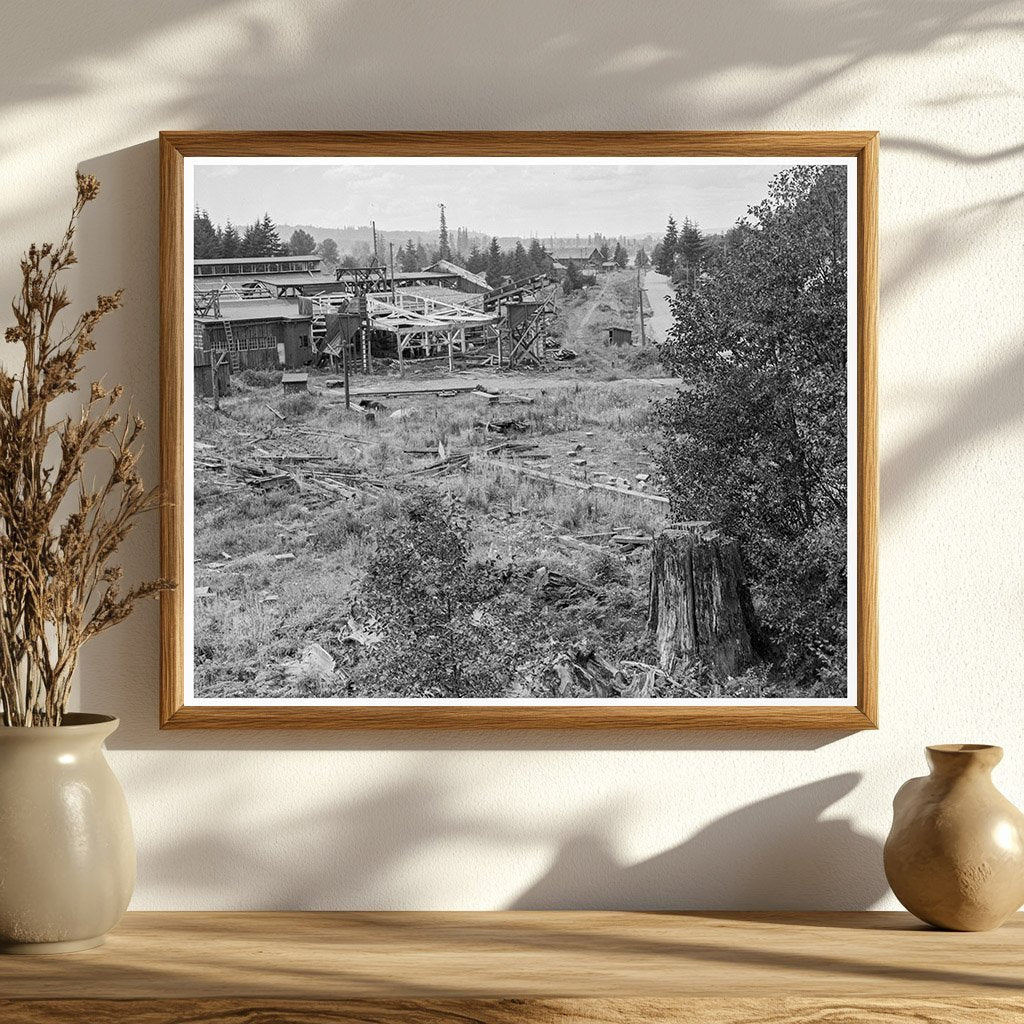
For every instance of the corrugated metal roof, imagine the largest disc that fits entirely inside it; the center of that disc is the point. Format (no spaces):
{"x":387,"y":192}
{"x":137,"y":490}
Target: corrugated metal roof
{"x":298,"y":277}
{"x":257,"y":309}
{"x":234,"y":260}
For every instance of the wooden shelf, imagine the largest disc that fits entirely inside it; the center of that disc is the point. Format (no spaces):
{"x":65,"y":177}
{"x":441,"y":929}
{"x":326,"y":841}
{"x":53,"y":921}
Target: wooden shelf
{"x":424,"y":968}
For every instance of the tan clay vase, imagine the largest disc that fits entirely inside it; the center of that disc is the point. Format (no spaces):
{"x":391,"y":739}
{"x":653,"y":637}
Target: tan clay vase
{"x":955,"y":855}
{"x":67,"y":857}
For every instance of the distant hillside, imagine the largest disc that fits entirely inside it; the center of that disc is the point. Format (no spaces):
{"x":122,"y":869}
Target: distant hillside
{"x":359,"y":239}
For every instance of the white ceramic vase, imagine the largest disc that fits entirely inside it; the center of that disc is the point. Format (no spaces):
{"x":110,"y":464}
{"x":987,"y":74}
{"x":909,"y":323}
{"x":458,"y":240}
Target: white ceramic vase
{"x":67,"y":855}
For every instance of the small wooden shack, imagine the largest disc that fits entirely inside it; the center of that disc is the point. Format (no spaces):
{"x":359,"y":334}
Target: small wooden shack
{"x":620,"y":336}
{"x":295,"y":383}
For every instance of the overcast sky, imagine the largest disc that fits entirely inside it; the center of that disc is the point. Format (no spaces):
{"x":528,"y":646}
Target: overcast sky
{"x":536,"y":199}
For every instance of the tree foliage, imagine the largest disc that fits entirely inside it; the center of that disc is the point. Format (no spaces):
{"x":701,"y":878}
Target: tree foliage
{"x":328,"y":251}
{"x":451,"y":625}
{"x":665,"y":255}
{"x":444,"y":249}
{"x":758,"y":442}
{"x":302,"y":243}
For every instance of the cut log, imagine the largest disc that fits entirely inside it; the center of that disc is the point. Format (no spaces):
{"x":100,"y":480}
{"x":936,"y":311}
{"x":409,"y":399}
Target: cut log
{"x":700,"y":608}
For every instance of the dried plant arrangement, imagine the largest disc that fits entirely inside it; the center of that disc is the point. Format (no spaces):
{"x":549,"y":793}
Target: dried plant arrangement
{"x":58,"y":529}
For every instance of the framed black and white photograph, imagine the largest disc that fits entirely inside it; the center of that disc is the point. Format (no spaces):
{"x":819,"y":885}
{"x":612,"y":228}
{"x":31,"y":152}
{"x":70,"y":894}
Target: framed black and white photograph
{"x":540,"y":430}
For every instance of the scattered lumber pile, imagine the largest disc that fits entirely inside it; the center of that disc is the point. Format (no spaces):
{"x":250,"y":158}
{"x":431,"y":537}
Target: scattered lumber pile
{"x":262,"y":463}
{"x":564,"y":481}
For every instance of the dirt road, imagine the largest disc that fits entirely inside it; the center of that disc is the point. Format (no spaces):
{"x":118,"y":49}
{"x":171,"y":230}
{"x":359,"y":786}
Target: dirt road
{"x":659,"y":290}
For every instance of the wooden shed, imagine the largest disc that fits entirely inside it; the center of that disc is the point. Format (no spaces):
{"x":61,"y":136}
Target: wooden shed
{"x":620,"y":336}
{"x":295,"y":383}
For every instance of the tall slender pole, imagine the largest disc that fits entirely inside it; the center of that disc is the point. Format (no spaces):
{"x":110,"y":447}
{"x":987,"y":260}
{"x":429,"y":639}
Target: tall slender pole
{"x":373,"y":228}
{"x":391,"y":247}
{"x":344,"y":368}
{"x":640,"y":299}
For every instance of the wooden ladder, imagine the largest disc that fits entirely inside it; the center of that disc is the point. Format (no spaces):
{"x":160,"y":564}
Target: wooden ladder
{"x":234,"y":355}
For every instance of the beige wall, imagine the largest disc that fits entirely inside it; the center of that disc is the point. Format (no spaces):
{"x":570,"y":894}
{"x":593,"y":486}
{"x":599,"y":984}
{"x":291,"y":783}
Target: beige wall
{"x":748,"y":820}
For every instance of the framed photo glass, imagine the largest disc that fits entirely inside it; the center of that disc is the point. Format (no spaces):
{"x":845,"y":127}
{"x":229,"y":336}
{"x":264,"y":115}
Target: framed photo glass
{"x":519,"y":430}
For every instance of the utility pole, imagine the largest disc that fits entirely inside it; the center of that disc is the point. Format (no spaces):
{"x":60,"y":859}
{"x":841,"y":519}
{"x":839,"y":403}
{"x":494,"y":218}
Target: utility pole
{"x":344,"y":370}
{"x":640,"y":299}
{"x":373,"y":228}
{"x":391,"y":248}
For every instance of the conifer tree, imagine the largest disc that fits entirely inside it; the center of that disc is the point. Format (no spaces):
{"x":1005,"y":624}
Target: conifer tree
{"x":407,"y":257}
{"x":691,"y":252}
{"x":230,"y":241}
{"x":667,"y":255}
{"x":206,"y":244}
{"x":477,"y":262}
{"x":495,"y":263}
{"x":444,"y":251}
{"x":520,"y":262}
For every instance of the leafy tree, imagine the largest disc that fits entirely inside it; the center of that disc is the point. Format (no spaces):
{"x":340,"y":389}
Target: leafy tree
{"x":302,"y":243}
{"x":451,"y":626}
{"x":444,"y":251}
{"x":328,"y":251}
{"x":666,"y":255}
{"x":758,"y":442}
{"x":620,"y":255}
{"x":573,"y":279}
{"x":230,"y":241}
{"x":205,"y":237}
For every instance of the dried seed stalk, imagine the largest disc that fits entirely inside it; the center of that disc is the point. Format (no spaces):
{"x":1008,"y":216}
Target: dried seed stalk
{"x":58,"y":587}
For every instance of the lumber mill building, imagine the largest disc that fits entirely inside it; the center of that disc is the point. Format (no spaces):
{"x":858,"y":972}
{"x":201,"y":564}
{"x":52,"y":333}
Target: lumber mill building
{"x":583,"y":257}
{"x":286,"y":313}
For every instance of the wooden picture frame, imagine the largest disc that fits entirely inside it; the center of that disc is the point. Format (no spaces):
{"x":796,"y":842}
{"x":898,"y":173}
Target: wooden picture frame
{"x":175,"y":147}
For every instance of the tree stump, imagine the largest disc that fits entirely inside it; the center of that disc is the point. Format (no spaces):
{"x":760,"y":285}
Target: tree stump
{"x":700,"y":606}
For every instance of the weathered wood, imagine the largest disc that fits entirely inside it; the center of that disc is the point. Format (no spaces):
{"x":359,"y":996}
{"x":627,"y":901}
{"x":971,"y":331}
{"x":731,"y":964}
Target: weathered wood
{"x":718,"y":1010}
{"x":564,"y":481}
{"x":700,"y":608}
{"x":508,"y":968}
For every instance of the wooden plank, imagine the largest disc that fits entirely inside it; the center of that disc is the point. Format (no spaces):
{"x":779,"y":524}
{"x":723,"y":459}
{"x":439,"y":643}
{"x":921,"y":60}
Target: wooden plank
{"x":564,"y":481}
{"x":405,"y":392}
{"x":721,"y":1010}
{"x":601,"y":966}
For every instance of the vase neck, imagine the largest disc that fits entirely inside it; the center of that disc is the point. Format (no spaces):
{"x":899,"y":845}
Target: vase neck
{"x":952,"y":760}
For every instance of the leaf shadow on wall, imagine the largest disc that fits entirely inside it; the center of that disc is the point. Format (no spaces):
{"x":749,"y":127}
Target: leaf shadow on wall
{"x":778,"y":853}
{"x":404,"y":844}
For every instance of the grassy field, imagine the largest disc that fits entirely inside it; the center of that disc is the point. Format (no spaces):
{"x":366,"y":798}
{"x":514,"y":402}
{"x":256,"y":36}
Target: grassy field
{"x":291,"y":513}
{"x":278,"y":565}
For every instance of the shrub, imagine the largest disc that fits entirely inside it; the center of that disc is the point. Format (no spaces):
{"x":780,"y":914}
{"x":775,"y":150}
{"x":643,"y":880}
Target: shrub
{"x":261,"y":378}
